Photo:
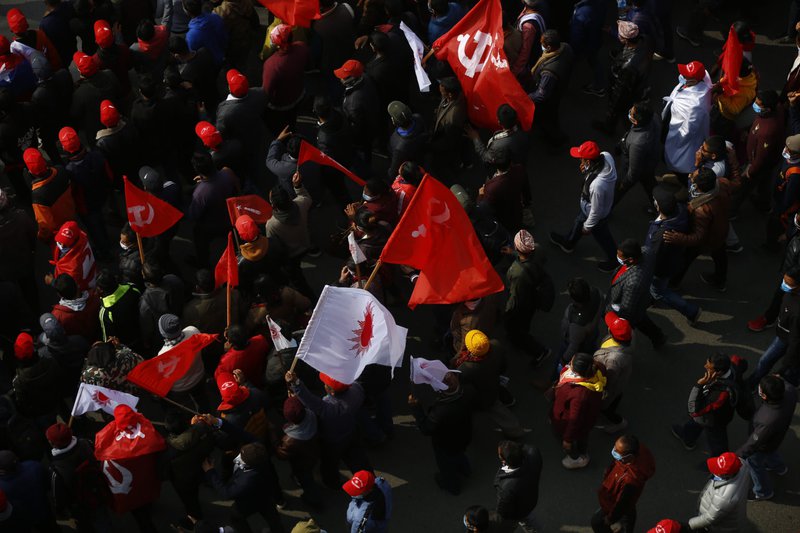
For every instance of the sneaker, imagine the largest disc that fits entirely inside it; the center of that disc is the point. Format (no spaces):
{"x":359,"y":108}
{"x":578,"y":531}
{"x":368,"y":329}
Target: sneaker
{"x":588,"y":89}
{"x":613,"y":428}
{"x":561,"y":242}
{"x":696,"y":318}
{"x":782,"y":472}
{"x":753,"y":497}
{"x":710,"y":279}
{"x":607,"y":266}
{"x":659,"y":57}
{"x":759,"y":324}
{"x":573,"y":464}
{"x":734,"y":248}
{"x":677,"y":432}
{"x":683,"y":34}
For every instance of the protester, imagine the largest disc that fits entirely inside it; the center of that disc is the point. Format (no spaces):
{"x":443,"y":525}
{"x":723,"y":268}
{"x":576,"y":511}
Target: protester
{"x":723,"y":501}
{"x":370,"y":506}
{"x":517,"y":486}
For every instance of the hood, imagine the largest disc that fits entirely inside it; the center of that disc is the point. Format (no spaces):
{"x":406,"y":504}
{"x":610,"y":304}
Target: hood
{"x":609,"y":173}
{"x":256,"y":250}
{"x":154,"y":47}
{"x":305,"y":430}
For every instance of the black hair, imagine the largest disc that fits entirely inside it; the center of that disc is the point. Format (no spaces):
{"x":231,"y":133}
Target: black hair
{"x":705,"y":179}
{"x":642,"y":113}
{"x":127,"y":230}
{"x":237,"y":336}
{"x":552,"y":39}
{"x":631,"y":249}
{"x":579,"y":290}
{"x":439,"y":7}
{"x":146,"y":30}
{"x":410,"y":172}
{"x":478,"y":517}
{"x":793,"y":272}
{"x":106,"y":282}
{"x":630,"y":443}
{"x":501,"y":158}
{"x":720,"y":361}
{"x":582,"y":364}
{"x":506,"y":116}
{"x":66,"y":287}
{"x":742,"y":30}
{"x":152,"y":272}
{"x":280,"y":199}
{"x":716,"y":145}
{"x":204,"y":280}
{"x":769,"y":98}
{"x":377,"y":187}
{"x":203,"y":164}
{"x":366,"y":219}
{"x":293,"y":146}
{"x":148,"y":86}
{"x":511,"y":452}
{"x":773,"y":388}
{"x":177,"y":45}
{"x":322,"y":107}
{"x":380,"y":41}
{"x":393,"y":8}
{"x":172,"y":77}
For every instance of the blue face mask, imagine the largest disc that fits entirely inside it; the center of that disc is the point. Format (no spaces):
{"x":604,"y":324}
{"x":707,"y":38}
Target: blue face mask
{"x":616,"y":455}
{"x":785,"y":287}
{"x":681,"y":79}
{"x":620,"y":260}
{"x":544,"y":50}
{"x":757,"y":108}
{"x":717,"y":478}
{"x":368,"y":198}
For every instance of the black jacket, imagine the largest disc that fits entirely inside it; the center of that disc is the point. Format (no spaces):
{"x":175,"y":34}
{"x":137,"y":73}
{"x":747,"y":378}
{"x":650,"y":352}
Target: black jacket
{"x":85,"y":108}
{"x":641,"y":148}
{"x":630,"y":71}
{"x":660,"y":259}
{"x":448,"y":421}
{"x":250,"y":489}
{"x":240,"y":119}
{"x":788,"y":329}
{"x":186,"y":452}
{"x":630,"y":292}
{"x":791,"y":256}
{"x":514,"y":140}
{"x":518,"y":489}
{"x":769,"y":425}
{"x":64,"y":475}
{"x":36,"y":387}
{"x":121,"y":147}
{"x":362,"y":110}
{"x":119,"y":316}
{"x":407,"y":145}
{"x":334,"y":138}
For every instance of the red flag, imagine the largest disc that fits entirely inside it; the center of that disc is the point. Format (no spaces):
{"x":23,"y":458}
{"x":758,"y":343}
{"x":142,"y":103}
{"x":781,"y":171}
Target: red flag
{"x":159,"y":374}
{"x":293,"y":12}
{"x":436,"y":237}
{"x":309,"y":152}
{"x":731,"y":60}
{"x":474,"y":49}
{"x":227,"y":269}
{"x":149,"y":215}
{"x":252,"y":204}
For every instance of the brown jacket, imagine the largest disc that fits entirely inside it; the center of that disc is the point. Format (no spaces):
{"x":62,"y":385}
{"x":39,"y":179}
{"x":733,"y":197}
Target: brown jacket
{"x":483,"y":318}
{"x":709,"y":214}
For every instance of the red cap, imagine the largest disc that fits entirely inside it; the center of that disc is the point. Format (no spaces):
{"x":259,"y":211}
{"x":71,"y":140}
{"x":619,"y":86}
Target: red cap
{"x":208,"y":134}
{"x":279,"y":36}
{"x":17,"y":22}
{"x":103,"y":35}
{"x":5,"y":45}
{"x":588,"y":150}
{"x":692,"y":71}
{"x":667,"y":526}
{"x":34,"y":161}
{"x":23,"y":346}
{"x":69,"y":140}
{"x":237,"y":83}
{"x":352,"y":68}
{"x":87,"y":65}
{"x":619,"y":328}
{"x":361,"y":483}
{"x":726,"y":464}
{"x":247,"y":228}
{"x":109,"y":115}
{"x":59,"y":435}
{"x":68,"y":234}
{"x":337,"y":386}
{"x":232,"y":393}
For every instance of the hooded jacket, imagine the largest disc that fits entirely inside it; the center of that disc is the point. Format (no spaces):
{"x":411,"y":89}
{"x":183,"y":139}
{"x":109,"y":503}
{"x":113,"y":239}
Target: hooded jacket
{"x":51,"y":196}
{"x":119,"y":315}
{"x":770,"y":424}
{"x":597,"y":204}
{"x":371,"y":513}
{"x":723,"y":504}
{"x":78,"y":262}
{"x":208,"y":31}
{"x":577,"y":402}
{"x":79,"y":316}
{"x":518,"y":489}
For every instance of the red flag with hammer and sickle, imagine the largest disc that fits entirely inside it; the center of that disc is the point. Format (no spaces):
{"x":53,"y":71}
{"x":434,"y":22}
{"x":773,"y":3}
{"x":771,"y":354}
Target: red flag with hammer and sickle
{"x":159,"y":374}
{"x":252,"y":205}
{"x":149,"y":215}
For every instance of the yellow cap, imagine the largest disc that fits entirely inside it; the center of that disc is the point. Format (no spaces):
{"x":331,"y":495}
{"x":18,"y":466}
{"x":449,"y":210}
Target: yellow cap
{"x":476,"y":342}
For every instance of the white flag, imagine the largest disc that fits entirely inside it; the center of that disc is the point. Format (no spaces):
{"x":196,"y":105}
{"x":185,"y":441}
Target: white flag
{"x":355,"y":250}
{"x":429,"y":372}
{"x":94,"y":398}
{"x":418,"y":50}
{"x":278,"y":340}
{"x":349,"y":330}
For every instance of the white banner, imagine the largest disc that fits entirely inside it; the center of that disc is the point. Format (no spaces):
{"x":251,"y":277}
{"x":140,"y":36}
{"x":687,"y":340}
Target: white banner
{"x":96,"y":398}
{"x":418,"y":50}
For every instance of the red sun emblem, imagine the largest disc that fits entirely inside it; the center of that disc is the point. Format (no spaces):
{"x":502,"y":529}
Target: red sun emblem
{"x":100,"y":398}
{"x":364,"y":333}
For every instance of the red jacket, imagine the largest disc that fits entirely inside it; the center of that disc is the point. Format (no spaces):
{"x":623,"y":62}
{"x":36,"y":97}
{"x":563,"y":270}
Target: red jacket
{"x":252,"y":361}
{"x":404,"y":192}
{"x":78,"y":262}
{"x":623,"y":484}
{"x":575,"y":409}
{"x":83,"y":322}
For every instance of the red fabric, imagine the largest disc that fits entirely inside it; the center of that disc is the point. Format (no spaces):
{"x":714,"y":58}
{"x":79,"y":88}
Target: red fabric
{"x":17,"y":22}
{"x":731,"y":60}
{"x":23,"y":346}
{"x":620,"y":271}
{"x":247,"y":228}
{"x":404,"y":192}
{"x":155,"y":46}
{"x":575,"y":410}
{"x":252,"y":360}
{"x":237,"y":83}
{"x":309,"y":152}
{"x":129,"y":435}
{"x":293,"y":12}
{"x":436,"y":226}
{"x":619,"y":476}
{"x":109,"y":115}
{"x":87,"y":65}
{"x":34,"y":161}
{"x":103,"y":35}
{"x":716,"y":404}
{"x":78,"y":262}
{"x":157,"y":375}
{"x":149,"y":215}
{"x":208,"y":134}
{"x":68,"y":138}
{"x":227,"y":269}
{"x":253,"y":205}
{"x":133,"y":482}
{"x":84,"y":322}
{"x":474,"y":50}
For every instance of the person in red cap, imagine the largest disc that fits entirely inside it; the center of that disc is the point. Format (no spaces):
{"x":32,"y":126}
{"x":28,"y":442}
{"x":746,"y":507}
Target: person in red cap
{"x":118,"y":141}
{"x":668,"y":526}
{"x":224,"y":152}
{"x":37,"y":383}
{"x":18,"y":74}
{"x":150,"y":47}
{"x":92,"y":88}
{"x":723,"y":501}
{"x":283,"y":77}
{"x":622,"y":485}
{"x":37,"y":39}
{"x":246,"y":354}
{"x":361,"y":107}
{"x":242,"y":405}
{"x":597,"y":200}
{"x":72,"y":255}
{"x":111,"y":55}
{"x":370,"y":508}
{"x":51,"y":194}
{"x":688,"y":108}
{"x":615,"y":354}
{"x":299,"y":445}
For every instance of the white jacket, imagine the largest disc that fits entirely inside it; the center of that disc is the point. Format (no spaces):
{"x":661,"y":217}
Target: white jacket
{"x":723,"y":504}
{"x":601,"y":193}
{"x":689,"y":111}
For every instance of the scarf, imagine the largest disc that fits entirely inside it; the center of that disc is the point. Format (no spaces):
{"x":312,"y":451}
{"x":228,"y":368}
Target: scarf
{"x":78,"y":304}
{"x":596,"y":383}
{"x":545,"y":57}
{"x":466,"y":357}
{"x":705,"y":197}
{"x":60,"y":451}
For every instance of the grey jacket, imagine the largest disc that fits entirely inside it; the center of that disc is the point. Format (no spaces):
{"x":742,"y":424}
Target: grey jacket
{"x":723,"y":504}
{"x":618,"y":361}
{"x":641,"y":148}
{"x":769,"y":425}
{"x":601,"y":194}
{"x":628,"y":295}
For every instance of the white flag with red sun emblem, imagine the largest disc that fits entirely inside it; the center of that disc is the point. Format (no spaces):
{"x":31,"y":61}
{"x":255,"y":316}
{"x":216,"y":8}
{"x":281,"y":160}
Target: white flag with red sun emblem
{"x":95,"y":398}
{"x":349,"y":330}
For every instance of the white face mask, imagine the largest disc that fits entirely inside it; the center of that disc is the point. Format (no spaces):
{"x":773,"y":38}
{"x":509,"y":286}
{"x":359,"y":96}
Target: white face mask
{"x":125,"y":246}
{"x":62,"y":248}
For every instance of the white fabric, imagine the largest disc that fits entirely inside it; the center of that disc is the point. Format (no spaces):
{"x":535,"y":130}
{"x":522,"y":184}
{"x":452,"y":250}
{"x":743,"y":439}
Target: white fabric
{"x":278,"y":340}
{"x":723,"y":504}
{"x":689,"y":124}
{"x":601,"y":193}
{"x":196,"y":372}
{"x":418,"y":51}
{"x":60,"y":451}
{"x":349,"y":330}
{"x":428,"y":372}
{"x":95,"y":398}
{"x":355,"y":250}
{"x":532,"y":16}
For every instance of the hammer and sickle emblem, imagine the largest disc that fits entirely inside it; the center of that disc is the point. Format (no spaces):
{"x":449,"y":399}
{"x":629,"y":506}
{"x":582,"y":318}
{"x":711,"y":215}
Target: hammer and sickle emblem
{"x":138,"y":219}
{"x":118,"y":487}
{"x":483,"y":44}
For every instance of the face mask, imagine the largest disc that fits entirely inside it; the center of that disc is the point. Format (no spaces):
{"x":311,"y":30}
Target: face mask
{"x":631,"y":119}
{"x":693,"y":192}
{"x":717,"y":478}
{"x":787,"y":155}
{"x":544,"y":50}
{"x":125,"y":246}
{"x":616,"y":455}
{"x":681,"y":79}
{"x":472,"y":305}
{"x":61,"y":247}
{"x":620,"y":260}
{"x":785,"y":287}
{"x":367,"y":198}
{"x":757,"y":108}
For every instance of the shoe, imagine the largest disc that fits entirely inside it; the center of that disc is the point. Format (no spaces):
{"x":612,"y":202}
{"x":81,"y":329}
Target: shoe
{"x":659,"y":57}
{"x":753,"y":497}
{"x":696,"y":318}
{"x":607,"y":266}
{"x":588,"y":89}
{"x":573,"y":464}
{"x":759,"y":324}
{"x":782,"y":472}
{"x":677,"y":431}
{"x":683,"y":34}
{"x":734,"y":248}
{"x":613,"y":428}
{"x":561,"y":242}
{"x":710,"y":279}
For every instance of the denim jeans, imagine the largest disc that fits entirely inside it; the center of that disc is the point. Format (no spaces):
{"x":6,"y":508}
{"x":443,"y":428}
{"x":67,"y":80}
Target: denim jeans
{"x":759,"y":463}
{"x":659,"y":290}
{"x":772,"y":355}
{"x":600,"y":232}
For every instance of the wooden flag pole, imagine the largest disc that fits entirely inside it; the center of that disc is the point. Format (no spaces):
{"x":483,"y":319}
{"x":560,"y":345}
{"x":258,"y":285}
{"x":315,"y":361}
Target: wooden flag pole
{"x":179,"y":405}
{"x":372,"y":276}
{"x":141,"y":248}
{"x":71,"y":419}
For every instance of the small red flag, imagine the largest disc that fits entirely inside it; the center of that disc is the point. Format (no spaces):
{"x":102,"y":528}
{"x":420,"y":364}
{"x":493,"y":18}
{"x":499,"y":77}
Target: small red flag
{"x":309,"y":152}
{"x":227,"y":269}
{"x":731,"y":60}
{"x":252,"y":204}
{"x":474,"y":49}
{"x":293,"y":12}
{"x":435,"y":226}
{"x":159,"y":374}
{"x":149,"y":215}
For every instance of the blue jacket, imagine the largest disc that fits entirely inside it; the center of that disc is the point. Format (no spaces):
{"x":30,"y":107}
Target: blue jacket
{"x":208,"y":31}
{"x":438,"y":26}
{"x":660,"y":258}
{"x":586,"y":26}
{"x":364,"y":514}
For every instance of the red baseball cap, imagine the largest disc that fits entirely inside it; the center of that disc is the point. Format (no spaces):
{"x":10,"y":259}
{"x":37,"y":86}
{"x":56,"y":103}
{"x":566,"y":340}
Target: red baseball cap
{"x":17,"y":22}
{"x":103,"y":35}
{"x":208,"y":134}
{"x":69,"y":140}
{"x":232,"y":393}
{"x":667,"y":526}
{"x":280,"y":34}
{"x":726,"y":464}
{"x":109,"y":115}
{"x":237,"y":83}
{"x":352,"y":68}
{"x":337,"y":386}
{"x":68,"y":234}
{"x":87,"y":65}
{"x":23,"y":347}
{"x":34,"y":161}
{"x":361,"y":483}
{"x":619,"y":328}
{"x":588,"y":150}
{"x":692,"y":71}
{"x":247,"y":228}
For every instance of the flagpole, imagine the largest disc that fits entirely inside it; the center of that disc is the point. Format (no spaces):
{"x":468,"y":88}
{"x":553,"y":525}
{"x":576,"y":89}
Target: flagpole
{"x":179,"y":405}
{"x":141,"y":247}
{"x":372,"y":276}
{"x":71,"y":419}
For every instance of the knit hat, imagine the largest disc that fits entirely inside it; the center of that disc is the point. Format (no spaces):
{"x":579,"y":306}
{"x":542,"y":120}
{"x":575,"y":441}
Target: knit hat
{"x":399,"y":111}
{"x":793,"y":143}
{"x":232,"y":394}
{"x":306,"y":527}
{"x":17,"y":22}
{"x":59,"y":435}
{"x":68,"y":234}
{"x":69,"y":140}
{"x":588,"y":150}
{"x":352,"y":68}
{"x":627,"y":29}
{"x":169,"y":326}
{"x":103,"y":35}
{"x":254,"y":454}
{"x":210,"y":136}
{"x":361,"y":483}
{"x":619,"y":328}
{"x":247,"y":228}
{"x":51,"y":328}
{"x":667,"y":526}
{"x":476,"y":342}
{"x":293,"y":410}
{"x":337,"y":386}
{"x":237,"y":83}
{"x":726,"y":464}
{"x":692,"y":71}
{"x":5,"y":509}
{"x":23,"y":347}
{"x":87,"y":65}
{"x":523,"y":242}
{"x":109,"y":115}
{"x":34,"y":161}
{"x":280,"y":34}
{"x":582,"y":363}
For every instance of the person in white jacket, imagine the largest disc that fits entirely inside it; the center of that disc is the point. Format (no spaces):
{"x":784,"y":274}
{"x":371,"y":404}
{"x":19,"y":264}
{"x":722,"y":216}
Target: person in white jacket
{"x":687,"y":111}
{"x":723,"y":502}
{"x":597,"y":200}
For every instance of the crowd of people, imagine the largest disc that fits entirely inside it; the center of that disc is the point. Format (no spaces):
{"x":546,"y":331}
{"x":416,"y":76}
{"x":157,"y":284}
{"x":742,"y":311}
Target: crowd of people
{"x":106,"y":93}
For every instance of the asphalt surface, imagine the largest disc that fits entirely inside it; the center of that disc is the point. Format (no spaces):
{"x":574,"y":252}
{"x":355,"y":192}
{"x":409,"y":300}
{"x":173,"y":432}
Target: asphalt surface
{"x":661,"y":379}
